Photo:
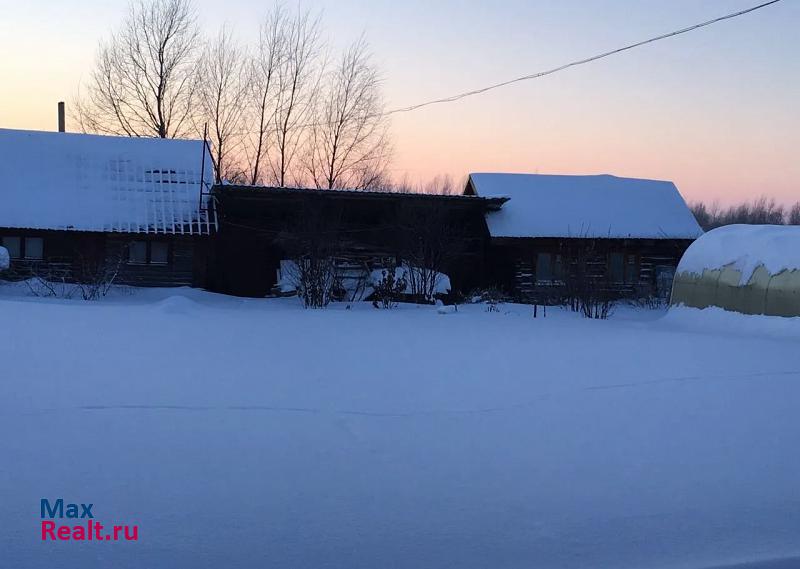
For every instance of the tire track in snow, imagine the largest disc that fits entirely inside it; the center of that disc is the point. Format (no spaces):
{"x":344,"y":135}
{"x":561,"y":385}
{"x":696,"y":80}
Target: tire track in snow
{"x":310,"y":410}
{"x":435,"y":412}
{"x":725,"y":377}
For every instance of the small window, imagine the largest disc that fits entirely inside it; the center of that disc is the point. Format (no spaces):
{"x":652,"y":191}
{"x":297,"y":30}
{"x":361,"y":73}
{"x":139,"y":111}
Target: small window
{"x":616,"y":267}
{"x":34,"y":248}
{"x":14,"y":246}
{"x":148,"y":253}
{"x":159,"y":253}
{"x":137,"y":253}
{"x":544,"y":267}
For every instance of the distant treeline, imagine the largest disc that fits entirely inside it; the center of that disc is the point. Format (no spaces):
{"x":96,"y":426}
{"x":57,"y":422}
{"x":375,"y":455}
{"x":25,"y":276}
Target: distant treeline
{"x":758,"y":212}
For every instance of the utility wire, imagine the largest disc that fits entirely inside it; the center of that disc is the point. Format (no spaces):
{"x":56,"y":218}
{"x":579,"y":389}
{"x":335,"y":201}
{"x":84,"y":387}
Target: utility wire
{"x":460,"y":96}
{"x":539,"y":74}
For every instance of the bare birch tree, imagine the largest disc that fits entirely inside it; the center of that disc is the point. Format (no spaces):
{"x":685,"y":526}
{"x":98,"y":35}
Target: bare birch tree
{"x":297,"y":84}
{"x":265,"y":66}
{"x":222,"y":84}
{"x":348,"y":144}
{"x":143,"y":80}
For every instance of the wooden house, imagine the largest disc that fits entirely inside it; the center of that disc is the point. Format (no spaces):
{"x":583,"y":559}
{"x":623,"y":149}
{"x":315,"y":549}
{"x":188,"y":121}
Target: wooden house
{"x":624,"y":235}
{"x":76,"y":205}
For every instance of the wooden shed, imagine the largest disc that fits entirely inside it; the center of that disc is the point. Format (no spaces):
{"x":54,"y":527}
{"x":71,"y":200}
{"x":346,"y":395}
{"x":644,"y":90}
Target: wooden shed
{"x":260,"y":226}
{"x":75,"y":205}
{"x":624,"y":235}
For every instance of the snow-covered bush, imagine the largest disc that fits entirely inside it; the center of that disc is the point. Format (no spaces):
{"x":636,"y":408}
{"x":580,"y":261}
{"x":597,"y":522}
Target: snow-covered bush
{"x":430,"y":242}
{"x":40,"y":286}
{"x":5,"y":259}
{"x":312,"y":243}
{"x":98,"y":276}
{"x":425,"y":283}
{"x":422,"y":285}
{"x":492,"y":297}
{"x":90,"y":279}
{"x":315,"y":280}
{"x":389,"y":288}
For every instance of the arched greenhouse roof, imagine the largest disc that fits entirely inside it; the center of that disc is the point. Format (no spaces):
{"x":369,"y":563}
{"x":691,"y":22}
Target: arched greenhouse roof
{"x":752,"y":269}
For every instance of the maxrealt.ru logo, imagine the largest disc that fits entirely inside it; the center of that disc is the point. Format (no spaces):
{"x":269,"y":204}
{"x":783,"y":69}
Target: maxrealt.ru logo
{"x":88,"y":529}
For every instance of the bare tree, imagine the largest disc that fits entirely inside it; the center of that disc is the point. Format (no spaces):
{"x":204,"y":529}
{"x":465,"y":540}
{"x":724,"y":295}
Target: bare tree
{"x":701,"y":214}
{"x":311,"y":240}
{"x":793,"y":216}
{"x":766,"y":211}
{"x":348,"y":142}
{"x":430,"y":243}
{"x":440,"y":184}
{"x":761,"y":210}
{"x":221,"y":95}
{"x":143,"y":80}
{"x":298,"y":74}
{"x":265,"y":66}
{"x":587,"y":288}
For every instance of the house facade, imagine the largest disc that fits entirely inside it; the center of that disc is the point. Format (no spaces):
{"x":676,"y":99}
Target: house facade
{"x":622,"y":236}
{"x":77,"y":207}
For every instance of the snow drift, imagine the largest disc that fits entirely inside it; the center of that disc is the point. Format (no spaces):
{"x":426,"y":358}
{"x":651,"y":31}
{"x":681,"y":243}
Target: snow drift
{"x":243,"y":433}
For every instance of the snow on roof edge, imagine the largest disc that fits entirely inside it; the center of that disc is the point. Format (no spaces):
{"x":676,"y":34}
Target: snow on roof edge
{"x":549,"y":205}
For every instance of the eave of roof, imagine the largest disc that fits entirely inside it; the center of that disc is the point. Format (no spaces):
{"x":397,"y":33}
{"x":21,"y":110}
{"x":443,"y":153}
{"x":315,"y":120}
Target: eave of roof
{"x":268,"y":191}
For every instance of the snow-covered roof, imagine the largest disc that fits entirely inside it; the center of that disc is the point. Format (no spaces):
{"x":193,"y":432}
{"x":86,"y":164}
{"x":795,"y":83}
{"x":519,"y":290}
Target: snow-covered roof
{"x":585,"y":206}
{"x":85,"y":182}
{"x":745,"y":248}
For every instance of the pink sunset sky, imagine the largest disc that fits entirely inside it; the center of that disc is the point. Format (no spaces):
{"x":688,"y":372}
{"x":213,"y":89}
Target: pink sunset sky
{"x":716,"y":111}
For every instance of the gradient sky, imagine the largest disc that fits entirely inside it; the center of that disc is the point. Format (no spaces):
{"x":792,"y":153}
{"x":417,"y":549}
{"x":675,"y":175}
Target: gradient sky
{"x":717,"y":111}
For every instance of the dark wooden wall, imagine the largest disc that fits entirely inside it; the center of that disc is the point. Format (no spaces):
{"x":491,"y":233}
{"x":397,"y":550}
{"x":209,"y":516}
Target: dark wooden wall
{"x":184,"y":267}
{"x":63,"y":252}
{"x":70,"y":255}
{"x":513,"y":263}
{"x":259,"y":226}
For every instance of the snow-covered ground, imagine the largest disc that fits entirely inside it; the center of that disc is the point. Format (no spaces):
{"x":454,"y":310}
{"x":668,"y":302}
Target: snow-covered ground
{"x":251,"y":433}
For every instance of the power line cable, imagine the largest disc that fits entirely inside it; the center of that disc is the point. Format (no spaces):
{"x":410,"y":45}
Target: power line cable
{"x":539,"y":74}
{"x":458,"y":97}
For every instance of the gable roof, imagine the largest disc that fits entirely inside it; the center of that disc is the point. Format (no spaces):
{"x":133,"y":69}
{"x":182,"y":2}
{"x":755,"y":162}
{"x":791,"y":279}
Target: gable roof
{"x":86,"y":182}
{"x":584,"y":206}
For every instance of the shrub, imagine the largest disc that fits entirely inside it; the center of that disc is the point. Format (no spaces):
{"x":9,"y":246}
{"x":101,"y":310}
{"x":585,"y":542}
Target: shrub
{"x":388,"y":289}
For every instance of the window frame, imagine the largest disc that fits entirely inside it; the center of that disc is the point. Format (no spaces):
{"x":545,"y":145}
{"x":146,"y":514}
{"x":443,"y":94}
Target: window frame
{"x":20,"y":246}
{"x":23,"y":247}
{"x":627,"y":278}
{"x":148,"y":262}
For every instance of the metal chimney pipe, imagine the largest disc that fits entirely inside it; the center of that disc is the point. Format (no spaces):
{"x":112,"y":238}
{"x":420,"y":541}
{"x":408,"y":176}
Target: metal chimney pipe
{"x":61,"y":118}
